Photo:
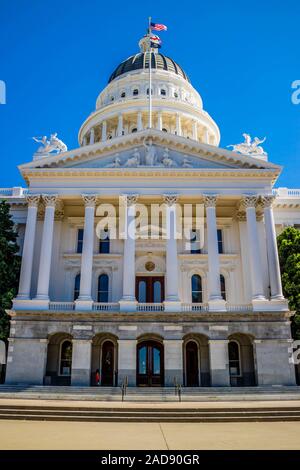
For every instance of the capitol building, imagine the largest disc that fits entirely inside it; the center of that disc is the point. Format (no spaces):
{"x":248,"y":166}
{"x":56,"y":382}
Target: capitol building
{"x":131,"y":298}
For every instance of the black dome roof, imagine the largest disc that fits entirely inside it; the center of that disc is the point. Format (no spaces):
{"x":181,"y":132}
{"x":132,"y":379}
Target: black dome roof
{"x":141,"y":61}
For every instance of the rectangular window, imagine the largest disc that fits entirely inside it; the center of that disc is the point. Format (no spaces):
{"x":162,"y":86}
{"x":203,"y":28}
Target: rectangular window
{"x":104,"y":242}
{"x":79,"y":240}
{"x":195,"y":242}
{"x":220,"y":241}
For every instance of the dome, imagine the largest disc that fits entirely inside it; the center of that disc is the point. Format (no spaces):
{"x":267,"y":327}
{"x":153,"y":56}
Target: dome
{"x":141,"y":61}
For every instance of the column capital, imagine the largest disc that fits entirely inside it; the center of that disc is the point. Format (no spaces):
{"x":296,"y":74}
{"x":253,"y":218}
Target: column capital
{"x":249,"y":201}
{"x":210,"y":200}
{"x":240,"y":216}
{"x":266,"y":201}
{"x":50,"y":200}
{"x":89,"y":200}
{"x":32,"y":200}
{"x":170,"y":199}
{"x":130,"y":199}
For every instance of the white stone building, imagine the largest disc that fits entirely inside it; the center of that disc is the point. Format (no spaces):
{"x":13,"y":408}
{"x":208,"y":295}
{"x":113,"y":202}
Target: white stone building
{"x":152,"y":310}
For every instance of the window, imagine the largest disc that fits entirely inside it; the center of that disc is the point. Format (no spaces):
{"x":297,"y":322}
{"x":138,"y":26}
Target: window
{"x":163,"y":92}
{"x":223,"y":287}
{"x":134,"y":129}
{"x":65,"y":358}
{"x":195,"y":242}
{"x":175,"y":94}
{"x":148,"y":91}
{"x":123,"y":94}
{"x":164,"y":129}
{"x":220,"y":241}
{"x":135,"y":92}
{"x":103,"y":288}
{"x":112,"y":98}
{"x":76,"y":287}
{"x":234,"y":359}
{"x":104,"y":242}
{"x":79,"y":240}
{"x":196,"y":289}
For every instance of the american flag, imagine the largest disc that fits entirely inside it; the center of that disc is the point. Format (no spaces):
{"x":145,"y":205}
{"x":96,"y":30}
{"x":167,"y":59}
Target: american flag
{"x":158,"y":27}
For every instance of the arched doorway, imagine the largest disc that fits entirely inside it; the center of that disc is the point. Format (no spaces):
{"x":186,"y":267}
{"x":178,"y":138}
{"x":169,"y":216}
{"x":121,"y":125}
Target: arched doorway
{"x":192,"y":364}
{"x":59,"y":360}
{"x":196,"y":361}
{"x":150,"y":364}
{"x":104,"y":359}
{"x":241,"y":361}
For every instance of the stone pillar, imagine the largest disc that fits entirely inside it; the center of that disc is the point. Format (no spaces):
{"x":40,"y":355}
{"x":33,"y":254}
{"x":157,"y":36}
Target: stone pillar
{"x":178,"y":124}
{"x":219,"y":362}
{"x":120,"y":125}
{"x":28,"y":248}
{"x":26,"y":361}
{"x":272,"y":362}
{"x":173,"y":361}
{"x":195,"y":130}
{"x":92,"y":136}
{"x":127,"y":361}
{"x":172,"y":302}
{"x":249,"y":203}
{"x":128,"y":301}
{"x":104,"y":131}
{"x":159,"y":121}
{"x":42,"y":294}
{"x":84,"y":141}
{"x":81,"y":362}
{"x":215,"y":301}
{"x":139,"y":121}
{"x":84,"y":301}
{"x":206,"y":136}
{"x":273,"y":260}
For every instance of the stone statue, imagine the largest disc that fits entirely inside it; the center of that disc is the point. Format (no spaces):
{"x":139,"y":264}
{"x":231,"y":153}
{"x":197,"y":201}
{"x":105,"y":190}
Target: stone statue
{"x":134,"y":161}
{"x":249,"y":147}
{"x":150,"y":153}
{"x":116,"y":163}
{"x":53,"y":145}
{"x":166,"y":160}
{"x":186,"y":163}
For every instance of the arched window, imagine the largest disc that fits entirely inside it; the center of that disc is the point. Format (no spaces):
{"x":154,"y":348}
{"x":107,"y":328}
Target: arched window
{"x":164,"y":129}
{"x":135,"y":92}
{"x":163,"y":92}
{"x":76,"y":286}
{"x":65,"y":364}
{"x":123,"y":94}
{"x":103,"y":282}
{"x":175,"y":94}
{"x":223,"y":287}
{"x":134,"y":129}
{"x":234,"y":359}
{"x":104,"y":243}
{"x":196,"y":289}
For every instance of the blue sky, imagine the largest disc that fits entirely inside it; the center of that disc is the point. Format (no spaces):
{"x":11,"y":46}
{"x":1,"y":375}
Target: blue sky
{"x":242,"y":56}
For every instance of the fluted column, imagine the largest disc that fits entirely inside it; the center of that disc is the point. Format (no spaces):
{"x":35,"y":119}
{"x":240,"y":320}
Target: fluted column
{"x":172,"y":302}
{"x":104,"y":131}
{"x":249,"y":204}
{"x":178,"y":124}
{"x":28,"y":248}
{"x":195,"y":130}
{"x":206,"y":136}
{"x":139,"y":121}
{"x":273,"y":260}
{"x":159,"y":121}
{"x":120,"y":125}
{"x":128,"y":300}
{"x":46,"y":248}
{"x":92,"y":136}
{"x":214,"y":289}
{"x":85,"y":293}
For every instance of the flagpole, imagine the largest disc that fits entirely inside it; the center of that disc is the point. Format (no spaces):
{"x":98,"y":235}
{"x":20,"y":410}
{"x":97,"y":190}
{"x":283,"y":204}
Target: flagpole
{"x":150,"y":75}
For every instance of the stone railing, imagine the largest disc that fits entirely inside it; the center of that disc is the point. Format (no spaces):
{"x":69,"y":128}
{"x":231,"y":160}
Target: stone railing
{"x":16,"y":191}
{"x":285,"y":192}
{"x":239,"y":307}
{"x":105,"y":307}
{"x":198,"y":307}
{"x":148,"y":307}
{"x":60,"y":306}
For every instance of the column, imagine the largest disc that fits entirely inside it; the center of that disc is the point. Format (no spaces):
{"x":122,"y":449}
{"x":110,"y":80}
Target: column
{"x":195,"y":130}
{"x":127,"y":361}
{"x":219,"y":363}
{"x":172,"y":302}
{"x":120,"y":125}
{"x":249,"y":204}
{"x":92,"y":136}
{"x":273,"y":259}
{"x":84,"y":301}
{"x":28,"y":248}
{"x":81,"y":362}
{"x":46,"y":249}
{"x":128,"y":301}
{"x":273,"y":361}
{"x":159,"y":121}
{"x":206,"y":136}
{"x":215,"y":301}
{"x":139,"y":121}
{"x":84,"y":141}
{"x":178,"y":124}
{"x":173,"y":361}
{"x":104,"y":131}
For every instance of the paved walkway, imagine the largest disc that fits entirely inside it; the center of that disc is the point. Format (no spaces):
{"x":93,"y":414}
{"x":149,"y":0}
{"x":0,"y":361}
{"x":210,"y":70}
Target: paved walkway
{"x":34,"y":435}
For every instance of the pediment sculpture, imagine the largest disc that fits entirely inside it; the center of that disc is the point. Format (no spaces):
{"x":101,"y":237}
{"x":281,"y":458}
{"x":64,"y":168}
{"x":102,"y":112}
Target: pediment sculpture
{"x":54,"y":144}
{"x":249,"y":146}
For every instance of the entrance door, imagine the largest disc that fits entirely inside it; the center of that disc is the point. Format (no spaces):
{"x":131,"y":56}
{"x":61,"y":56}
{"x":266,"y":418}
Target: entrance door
{"x":150,"y":289}
{"x":192,"y":364}
{"x":107,"y":364}
{"x":150,"y":364}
